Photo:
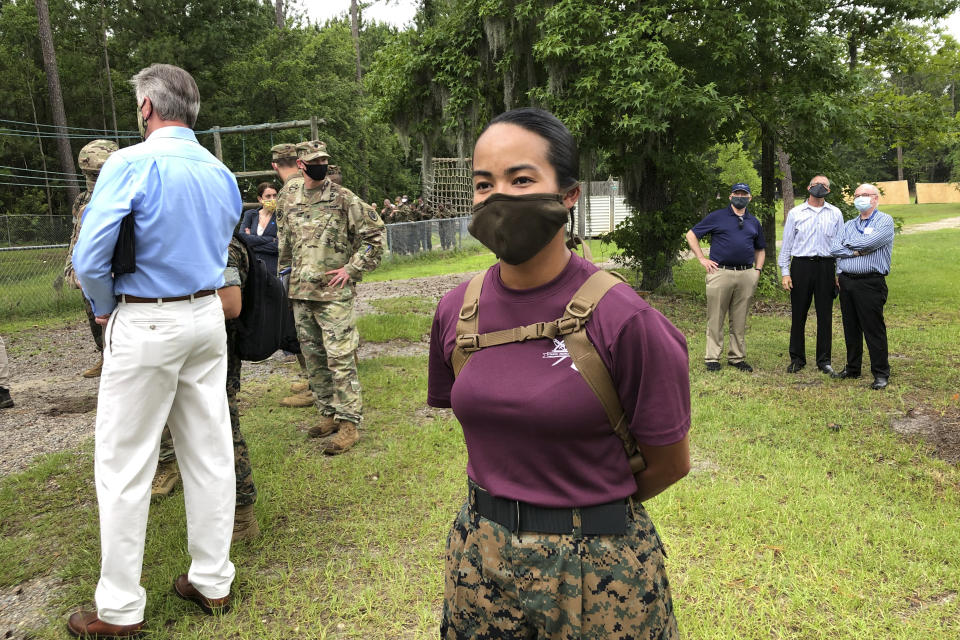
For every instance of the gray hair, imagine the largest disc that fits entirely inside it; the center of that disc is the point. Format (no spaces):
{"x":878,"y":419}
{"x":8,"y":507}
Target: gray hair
{"x":172,"y":92}
{"x":872,"y":187}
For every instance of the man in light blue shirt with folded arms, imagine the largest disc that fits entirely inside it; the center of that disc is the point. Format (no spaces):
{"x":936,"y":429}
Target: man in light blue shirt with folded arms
{"x":165,"y":358}
{"x":863,"y":249}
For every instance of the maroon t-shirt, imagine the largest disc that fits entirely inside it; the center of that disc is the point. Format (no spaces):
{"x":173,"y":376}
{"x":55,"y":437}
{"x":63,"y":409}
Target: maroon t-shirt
{"x":534,"y":430}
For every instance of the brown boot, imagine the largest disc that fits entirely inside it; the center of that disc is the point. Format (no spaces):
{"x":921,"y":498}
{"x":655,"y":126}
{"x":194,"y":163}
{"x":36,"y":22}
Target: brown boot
{"x":94,"y":371}
{"x":164,"y":480}
{"x":304,"y":399}
{"x":346,"y":436}
{"x":299,"y":387}
{"x":245,"y":525}
{"x":325,"y":427}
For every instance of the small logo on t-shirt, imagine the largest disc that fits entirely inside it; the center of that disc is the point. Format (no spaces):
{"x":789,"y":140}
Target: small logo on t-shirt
{"x":559,"y":353}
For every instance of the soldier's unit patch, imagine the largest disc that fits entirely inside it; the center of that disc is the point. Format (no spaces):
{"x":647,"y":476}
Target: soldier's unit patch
{"x":372,"y":214}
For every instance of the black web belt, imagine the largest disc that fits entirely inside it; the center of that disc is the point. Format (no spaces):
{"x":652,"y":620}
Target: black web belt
{"x":517,"y":516}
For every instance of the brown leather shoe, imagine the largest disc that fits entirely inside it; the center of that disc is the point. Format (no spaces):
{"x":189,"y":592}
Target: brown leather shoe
{"x":325,"y":427}
{"x":86,"y":624}
{"x":94,"y":371}
{"x":347,"y":436}
{"x":187,"y":591}
{"x":302,"y":399}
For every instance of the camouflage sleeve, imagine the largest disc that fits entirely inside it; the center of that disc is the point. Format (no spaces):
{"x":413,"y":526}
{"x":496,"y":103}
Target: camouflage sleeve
{"x":235,"y":275}
{"x":368,"y":229}
{"x":283,"y":238}
{"x":79,"y":206}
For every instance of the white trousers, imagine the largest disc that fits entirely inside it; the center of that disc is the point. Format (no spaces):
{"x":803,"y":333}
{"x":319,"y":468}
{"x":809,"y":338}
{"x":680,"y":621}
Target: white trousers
{"x":4,"y":367}
{"x":163,"y":363}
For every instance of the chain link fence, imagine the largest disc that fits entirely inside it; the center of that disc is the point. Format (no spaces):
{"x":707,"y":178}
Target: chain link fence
{"x":33,"y":250}
{"x":444,"y":234}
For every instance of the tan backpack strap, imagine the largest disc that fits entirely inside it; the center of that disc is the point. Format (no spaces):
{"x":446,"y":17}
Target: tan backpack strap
{"x":468,"y":322}
{"x":588,"y":361}
{"x":577,"y":240}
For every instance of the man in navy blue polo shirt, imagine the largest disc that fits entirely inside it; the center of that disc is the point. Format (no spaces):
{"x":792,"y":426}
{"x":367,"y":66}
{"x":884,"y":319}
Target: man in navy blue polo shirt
{"x":733,"y":269}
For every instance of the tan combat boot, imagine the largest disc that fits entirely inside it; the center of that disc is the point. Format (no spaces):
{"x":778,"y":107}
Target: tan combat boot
{"x":346,"y":436}
{"x":299,"y":387}
{"x":325,"y":427}
{"x":245,"y":525}
{"x":165,"y":479}
{"x":94,"y":371}
{"x":304,"y":399}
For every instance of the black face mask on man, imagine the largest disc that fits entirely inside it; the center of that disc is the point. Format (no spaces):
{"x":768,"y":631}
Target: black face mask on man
{"x":315,"y":171}
{"x":819,"y":191}
{"x":516,"y":228}
{"x":739,"y":201}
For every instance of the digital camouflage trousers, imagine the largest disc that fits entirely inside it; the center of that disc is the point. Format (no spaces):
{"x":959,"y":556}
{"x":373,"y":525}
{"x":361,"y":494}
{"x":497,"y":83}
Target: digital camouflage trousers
{"x":246,"y":490}
{"x":555,"y":586}
{"x":328,"y":340}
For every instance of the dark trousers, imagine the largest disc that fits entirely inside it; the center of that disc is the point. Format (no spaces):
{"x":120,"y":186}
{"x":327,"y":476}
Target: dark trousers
{"x":812,"y":280}
{"x":861,"y":304}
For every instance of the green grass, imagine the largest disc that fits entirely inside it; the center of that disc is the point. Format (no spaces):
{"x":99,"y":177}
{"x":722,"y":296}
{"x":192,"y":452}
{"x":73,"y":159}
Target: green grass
{"x":784,"y":529}
{"x":397,"y":319}
{"x":920,"y":213}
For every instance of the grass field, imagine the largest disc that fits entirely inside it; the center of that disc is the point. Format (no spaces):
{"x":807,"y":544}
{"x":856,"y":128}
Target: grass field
{"x":805,"y":516}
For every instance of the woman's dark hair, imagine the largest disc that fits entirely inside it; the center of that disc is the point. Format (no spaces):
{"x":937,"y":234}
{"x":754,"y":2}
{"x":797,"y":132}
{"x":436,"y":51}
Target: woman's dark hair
{"x":263,"y":186}
{"x":561,"y":147}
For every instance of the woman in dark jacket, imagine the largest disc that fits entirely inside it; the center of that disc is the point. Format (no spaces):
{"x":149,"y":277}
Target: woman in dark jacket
{"x":259,"y":227}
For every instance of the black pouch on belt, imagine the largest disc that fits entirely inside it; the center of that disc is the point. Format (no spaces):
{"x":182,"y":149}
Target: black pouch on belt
{"x":124,"y":253}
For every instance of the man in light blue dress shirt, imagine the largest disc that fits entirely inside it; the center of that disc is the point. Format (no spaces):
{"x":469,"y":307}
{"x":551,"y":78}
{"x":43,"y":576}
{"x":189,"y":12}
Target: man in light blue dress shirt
{"x":863,"y":250}
{"x":809,"y":272}
{"x":165,"y":356}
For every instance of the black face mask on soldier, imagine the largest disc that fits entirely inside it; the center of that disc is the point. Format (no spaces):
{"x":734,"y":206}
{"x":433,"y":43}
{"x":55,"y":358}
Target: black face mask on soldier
{"x":315,"y":171}
{"x":516,"y":228}
{"x":819,"y":191}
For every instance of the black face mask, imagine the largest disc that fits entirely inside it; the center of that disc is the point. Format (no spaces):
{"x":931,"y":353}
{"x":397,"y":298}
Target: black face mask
{"x":315,"y":171}
{"x":739,"y":201}
{"x":819,"y":191}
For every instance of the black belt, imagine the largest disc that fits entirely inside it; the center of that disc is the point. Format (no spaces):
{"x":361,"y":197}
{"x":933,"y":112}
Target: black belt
{"x":602,"y":519}
{"x":862,"y":276}
{"x":735,"y":267}
{"x":126,"y":297}
{"x":815,"y":258}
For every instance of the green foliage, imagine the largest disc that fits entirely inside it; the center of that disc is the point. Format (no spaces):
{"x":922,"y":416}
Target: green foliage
{"x":734,"y":165}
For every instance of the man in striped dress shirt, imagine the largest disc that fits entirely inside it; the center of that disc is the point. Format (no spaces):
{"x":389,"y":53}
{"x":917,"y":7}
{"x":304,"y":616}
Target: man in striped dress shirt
{"x":863,"y":250}
{"x":809,"y":271}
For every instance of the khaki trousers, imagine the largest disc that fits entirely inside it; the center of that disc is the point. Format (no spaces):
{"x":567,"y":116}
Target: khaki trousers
{"x":4,"y":368}
{"x":729,"y":292}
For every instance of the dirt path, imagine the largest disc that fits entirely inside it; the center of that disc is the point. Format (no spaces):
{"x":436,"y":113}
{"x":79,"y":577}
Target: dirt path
{"x":936,"y":225}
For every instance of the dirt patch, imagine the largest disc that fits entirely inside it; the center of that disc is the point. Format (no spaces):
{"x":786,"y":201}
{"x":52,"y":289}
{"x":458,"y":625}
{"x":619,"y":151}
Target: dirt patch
{"x":74,"y":404}
{"x":946,"y":223}
{"x":24,"y":607}
{"x":941,"y":431}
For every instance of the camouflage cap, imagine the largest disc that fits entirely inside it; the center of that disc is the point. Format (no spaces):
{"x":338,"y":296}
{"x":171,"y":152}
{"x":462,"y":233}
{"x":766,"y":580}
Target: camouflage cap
{"x":312,"y":150}
{"x":94,"y":154}
{"x":285,"y":150}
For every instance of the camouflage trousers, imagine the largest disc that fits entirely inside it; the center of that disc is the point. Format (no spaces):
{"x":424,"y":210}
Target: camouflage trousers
{"x":555,"y":586}
{"x":246,"y":490}
{"x":95,"y":329}
{"x":328,"y":340}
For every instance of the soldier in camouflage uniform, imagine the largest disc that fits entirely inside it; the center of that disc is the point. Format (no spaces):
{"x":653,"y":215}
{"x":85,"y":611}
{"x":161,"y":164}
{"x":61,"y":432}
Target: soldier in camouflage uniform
{"x":334,"y":173}
{"x":329,"y":239}
{"x":423,"y":213}
{"x":91,"y":158}
{"x":447,"y":227}
{"x":285,"y":164}
{"x":244,"y":522}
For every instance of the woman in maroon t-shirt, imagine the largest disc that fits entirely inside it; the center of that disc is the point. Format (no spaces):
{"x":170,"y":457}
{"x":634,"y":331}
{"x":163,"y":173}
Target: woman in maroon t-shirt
{"x":550,"y":543}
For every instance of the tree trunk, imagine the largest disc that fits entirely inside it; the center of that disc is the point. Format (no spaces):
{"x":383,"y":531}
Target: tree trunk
{"x":361,"y":146}
{"x":899,"y":162}
{"x":281,"y":20}
{"x":786,"y":183}
{"x":43,"y":156}
{"x":768,"y":189}
{"x":106,"y":67}
{"x":56,"y":97}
